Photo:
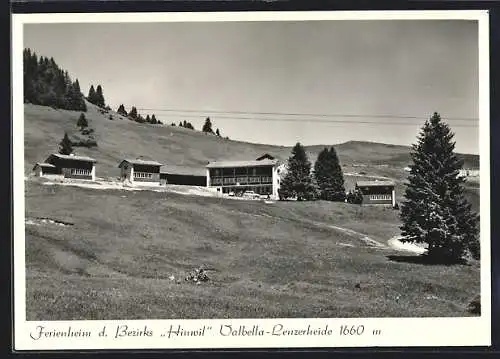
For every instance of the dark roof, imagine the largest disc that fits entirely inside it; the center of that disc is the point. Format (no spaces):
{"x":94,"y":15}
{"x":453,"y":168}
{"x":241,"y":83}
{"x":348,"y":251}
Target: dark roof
{"x":71,"y":157}
{"x":226,"y":164}
{"x":374,"y":183}
{"x":184,"y":171}
{"x":264,"y":156}
{"x":138,"y":161}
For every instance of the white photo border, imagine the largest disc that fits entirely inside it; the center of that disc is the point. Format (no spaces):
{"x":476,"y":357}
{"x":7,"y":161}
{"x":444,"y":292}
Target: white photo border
{"x":395,"y":332}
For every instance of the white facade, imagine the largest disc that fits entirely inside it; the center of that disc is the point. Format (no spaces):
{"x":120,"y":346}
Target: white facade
{"x":466,"y":172}
{"x":271,"y":181}
{"x":279,"y":172}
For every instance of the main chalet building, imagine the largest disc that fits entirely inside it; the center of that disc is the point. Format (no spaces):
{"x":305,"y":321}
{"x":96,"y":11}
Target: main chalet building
{"x":261,"y":176}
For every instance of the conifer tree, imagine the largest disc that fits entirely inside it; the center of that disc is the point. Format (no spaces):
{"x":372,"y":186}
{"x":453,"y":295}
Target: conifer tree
{"x":180,"y":124}
{"x":82,"y":122}
{"x":45,"y":83}
{"x":328,"y":175}
{"x":207,"y":127}
{"x":78,"y":99}
{"x":133,"y":113}
{"x":92,"y":95}
{"x":298,"y":180}
{"x":148,"y":119}
{"x":217,"y":132}
{"x":99,"y":97}
{"x":121,"y":110}
{"x":65,"y":147}
{"x":435,"y":210}
{"x":153,"y":120}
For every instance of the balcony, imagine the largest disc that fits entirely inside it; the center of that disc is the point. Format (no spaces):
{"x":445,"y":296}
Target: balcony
{"x":241,"y":180}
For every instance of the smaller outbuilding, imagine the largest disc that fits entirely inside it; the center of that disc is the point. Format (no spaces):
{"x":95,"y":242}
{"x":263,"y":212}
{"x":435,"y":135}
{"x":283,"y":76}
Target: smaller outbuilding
{"x":46,"y":170}
{"x":377,"y":192}
{"x":66,"y":166}
{"x":141,"y":172}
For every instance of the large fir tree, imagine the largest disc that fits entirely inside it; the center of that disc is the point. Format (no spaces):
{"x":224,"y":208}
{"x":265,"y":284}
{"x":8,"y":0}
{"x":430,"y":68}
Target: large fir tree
{"x":298,"y":180}
{"x":65,"y":147}
{"x":435,"y":210}
{"x":328,"y":175}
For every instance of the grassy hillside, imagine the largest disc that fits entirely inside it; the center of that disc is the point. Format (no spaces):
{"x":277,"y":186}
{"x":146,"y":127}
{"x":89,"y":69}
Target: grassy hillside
{"x":119,"y":138}
{"x":314,"y":259}
{"x":266,"y":260}
{"x":179,"y":147}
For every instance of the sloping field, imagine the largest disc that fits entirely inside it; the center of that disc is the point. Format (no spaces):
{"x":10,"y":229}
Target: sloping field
{"x":119,"y":138}
{"x":110,"y":255}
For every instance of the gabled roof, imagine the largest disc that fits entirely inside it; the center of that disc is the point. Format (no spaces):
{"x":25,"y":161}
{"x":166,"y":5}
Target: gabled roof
{"x":71,"y":157}
{"x":138,"y":161}
{"x":374,"y":183}
{"x":226,"y":164}
{"x":266,"y":156}
{"x":44,"y":165}
{"x":184,"y":171}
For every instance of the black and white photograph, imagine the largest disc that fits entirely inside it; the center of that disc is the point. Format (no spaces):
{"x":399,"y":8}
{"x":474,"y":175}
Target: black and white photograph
{"x":259,"y":170}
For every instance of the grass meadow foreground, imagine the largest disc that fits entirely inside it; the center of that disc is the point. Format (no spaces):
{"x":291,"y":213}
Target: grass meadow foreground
{"x":117,"y":254}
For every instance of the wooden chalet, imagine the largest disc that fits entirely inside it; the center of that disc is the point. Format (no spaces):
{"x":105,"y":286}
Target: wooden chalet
{"x":140,"y":171}
{"x":377,"y":192}
{"x":66,"y":166}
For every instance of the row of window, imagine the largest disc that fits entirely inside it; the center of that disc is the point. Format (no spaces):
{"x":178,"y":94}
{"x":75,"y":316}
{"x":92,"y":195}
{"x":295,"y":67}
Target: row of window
{"x":81,"y":172}
{"x":242,"y":171}
{"x":232,"y":180}
{"x":380,"y":197}
{"x":143,"y":175}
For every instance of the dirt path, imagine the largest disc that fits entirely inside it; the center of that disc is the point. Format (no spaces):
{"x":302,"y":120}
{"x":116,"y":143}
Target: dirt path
{"x":393,"y":243}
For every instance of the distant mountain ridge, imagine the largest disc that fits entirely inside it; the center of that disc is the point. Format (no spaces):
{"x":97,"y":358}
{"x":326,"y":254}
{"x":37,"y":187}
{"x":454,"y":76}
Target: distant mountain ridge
{"x":376,"y":153}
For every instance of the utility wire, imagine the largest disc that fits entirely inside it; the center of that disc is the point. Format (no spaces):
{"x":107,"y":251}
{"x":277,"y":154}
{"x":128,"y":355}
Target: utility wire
{"x":249,"y":113}
{"x":303,"y":120}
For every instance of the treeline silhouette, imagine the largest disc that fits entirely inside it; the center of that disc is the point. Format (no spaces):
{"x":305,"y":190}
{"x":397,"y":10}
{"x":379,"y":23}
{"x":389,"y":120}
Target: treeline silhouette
{"x":46,"y":84}
{"x":137,"y":117}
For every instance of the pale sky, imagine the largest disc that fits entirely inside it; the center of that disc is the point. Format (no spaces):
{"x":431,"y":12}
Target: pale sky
{"x":409,"y":68}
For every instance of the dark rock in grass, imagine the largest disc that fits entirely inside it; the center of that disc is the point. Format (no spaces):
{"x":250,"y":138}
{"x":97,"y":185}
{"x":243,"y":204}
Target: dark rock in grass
{"x":357,"y":286}
{"x":474,"y":307}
